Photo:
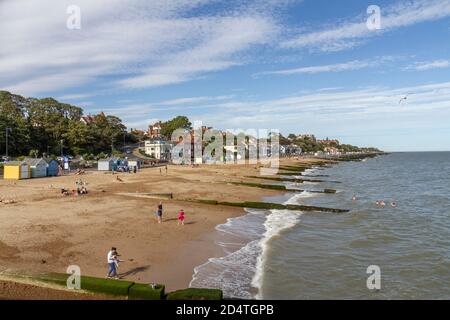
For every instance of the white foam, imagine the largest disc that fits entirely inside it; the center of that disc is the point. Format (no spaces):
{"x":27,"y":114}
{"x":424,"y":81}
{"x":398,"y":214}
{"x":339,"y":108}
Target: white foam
{"x":276,"y":222}
{"x":240,"y":273}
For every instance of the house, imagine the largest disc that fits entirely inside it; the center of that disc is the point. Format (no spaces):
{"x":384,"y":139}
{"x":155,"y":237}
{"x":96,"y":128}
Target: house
{"x":332,"y":150}
{"x":154,"y":130}
{"x":16,"y":170}
{"x":38,"y":167}
{"x":328,"y":142}
{"x":87,"y":119}
{"x":108,"y":164}
{"x":52,"y":167}
{"x":158,"y":149}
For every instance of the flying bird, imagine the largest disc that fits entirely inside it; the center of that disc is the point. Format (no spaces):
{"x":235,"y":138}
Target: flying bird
{"x":403,"y":99}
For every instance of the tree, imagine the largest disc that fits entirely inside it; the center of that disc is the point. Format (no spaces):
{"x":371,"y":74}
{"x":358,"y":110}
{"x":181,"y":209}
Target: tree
{"x":179,"y":122}
{"x":41,"y":124}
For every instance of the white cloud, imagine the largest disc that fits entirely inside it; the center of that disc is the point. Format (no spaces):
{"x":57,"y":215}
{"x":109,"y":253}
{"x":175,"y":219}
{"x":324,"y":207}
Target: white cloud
{"x":339,"y":67}
{"x":229,"y":37}
{"x":425,"y":66}
{"x":191,"y":100}
{"x":333,"y":68}
{"x":137,"y":43}
{"x":371,"y":104}
{"x":351,"y":33}
{"x":75,"y":96}
{"x":334,"y":108}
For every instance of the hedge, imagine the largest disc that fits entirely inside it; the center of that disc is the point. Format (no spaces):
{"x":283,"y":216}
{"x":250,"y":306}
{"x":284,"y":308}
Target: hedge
{"x":134,"y":291}
{"x":196,"y":294}
{"x":99,"y":285}
{"x":146,"y":292}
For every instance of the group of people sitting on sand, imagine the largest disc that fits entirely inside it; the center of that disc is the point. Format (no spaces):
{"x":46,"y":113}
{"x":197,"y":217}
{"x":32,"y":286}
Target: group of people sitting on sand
{"x":159,"y":213}
{"x":80,"y":190}
{"x":7,"y":201}
{"x":80,"y":172}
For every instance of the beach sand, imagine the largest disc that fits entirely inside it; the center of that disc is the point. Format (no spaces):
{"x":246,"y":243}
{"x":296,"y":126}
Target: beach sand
{"x":45,"y":231}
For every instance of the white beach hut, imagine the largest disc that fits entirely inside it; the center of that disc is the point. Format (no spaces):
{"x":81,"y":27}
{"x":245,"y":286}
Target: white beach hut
{"x":108,"y":164}
{"x":134,"y":163}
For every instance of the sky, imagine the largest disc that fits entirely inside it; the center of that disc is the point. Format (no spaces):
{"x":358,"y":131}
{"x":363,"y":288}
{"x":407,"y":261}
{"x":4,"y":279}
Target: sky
{"x":300,"y":66}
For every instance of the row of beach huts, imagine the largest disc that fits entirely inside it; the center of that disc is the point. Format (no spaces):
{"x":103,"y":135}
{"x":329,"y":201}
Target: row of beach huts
{"x":30,"y":168}
{"x":39,"y":168}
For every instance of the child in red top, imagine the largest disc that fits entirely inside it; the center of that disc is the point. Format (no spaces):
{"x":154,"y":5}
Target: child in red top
{"x":181,"y":217}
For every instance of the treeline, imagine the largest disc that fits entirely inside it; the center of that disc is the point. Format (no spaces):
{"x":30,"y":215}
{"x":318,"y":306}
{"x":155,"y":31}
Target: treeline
{"x":44,"y":126}
{"x":311,"y":144}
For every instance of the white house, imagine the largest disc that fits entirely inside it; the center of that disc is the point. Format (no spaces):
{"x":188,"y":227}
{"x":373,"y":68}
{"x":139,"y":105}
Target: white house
{"x":158,"y":149}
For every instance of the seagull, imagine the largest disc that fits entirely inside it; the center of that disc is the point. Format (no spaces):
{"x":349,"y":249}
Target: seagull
{"x":403,"y":99}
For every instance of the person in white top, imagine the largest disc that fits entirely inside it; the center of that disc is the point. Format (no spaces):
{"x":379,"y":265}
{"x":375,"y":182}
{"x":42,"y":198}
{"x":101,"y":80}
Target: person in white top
{"x":112,"y":263}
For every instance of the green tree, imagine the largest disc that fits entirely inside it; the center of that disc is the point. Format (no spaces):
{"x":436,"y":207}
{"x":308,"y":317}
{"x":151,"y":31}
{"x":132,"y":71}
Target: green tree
{"x":179,"y":122}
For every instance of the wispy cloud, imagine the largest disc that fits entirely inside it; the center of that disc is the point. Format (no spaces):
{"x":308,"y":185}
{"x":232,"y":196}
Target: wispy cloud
{"x":338,"y":67}
{"x":354,"y":31}
{"x":374,"y":105}
{"x":129,"y":44}
{"x":334,"y":68}
{"x":429,"y":65}
{"x":75,"y":96}
{"x":194,"y":100}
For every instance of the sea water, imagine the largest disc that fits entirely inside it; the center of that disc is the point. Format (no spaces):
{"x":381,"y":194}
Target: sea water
{"x":284,"y":254}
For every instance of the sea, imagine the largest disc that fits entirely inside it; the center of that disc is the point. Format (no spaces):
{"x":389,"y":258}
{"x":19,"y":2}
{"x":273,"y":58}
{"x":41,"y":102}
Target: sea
{"x":284,"y":254}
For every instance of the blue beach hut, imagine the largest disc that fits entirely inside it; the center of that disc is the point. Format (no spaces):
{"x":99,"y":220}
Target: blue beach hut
{"x":52,"y":167}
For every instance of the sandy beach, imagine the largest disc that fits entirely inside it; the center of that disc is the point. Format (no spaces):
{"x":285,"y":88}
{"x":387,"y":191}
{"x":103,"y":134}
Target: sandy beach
{"x":45,"y":231}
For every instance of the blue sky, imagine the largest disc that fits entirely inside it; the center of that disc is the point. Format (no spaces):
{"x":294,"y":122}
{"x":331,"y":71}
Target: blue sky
{"x":308,"y":66}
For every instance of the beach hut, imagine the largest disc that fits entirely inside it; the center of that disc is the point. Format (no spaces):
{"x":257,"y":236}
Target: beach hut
{"x":38,"y":167}
{"x":108,"y":164}
{"x":16,"y":170}
{"x":135,"y":164}
{"x":52,"y":167}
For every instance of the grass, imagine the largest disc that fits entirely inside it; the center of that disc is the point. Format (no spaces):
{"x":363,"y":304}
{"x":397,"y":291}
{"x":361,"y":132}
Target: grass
{"x":196,"y":294}
{"x":126,"y":289}
{"x":146,"y":292}
{"x":98,"y":285}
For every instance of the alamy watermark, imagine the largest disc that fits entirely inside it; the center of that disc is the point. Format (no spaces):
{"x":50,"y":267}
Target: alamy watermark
{"x":74,"y":280}
{"x":74,"y":20}
{"x":374,"y":20}
{"x":374,"y":280}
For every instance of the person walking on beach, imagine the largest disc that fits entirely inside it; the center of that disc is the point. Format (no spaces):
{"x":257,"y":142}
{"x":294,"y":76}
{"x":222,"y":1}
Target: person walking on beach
{"x":181,"y":217}
{"x":112,"y":263}
{"x":166,"y":169}
{"x":159,"y":212}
